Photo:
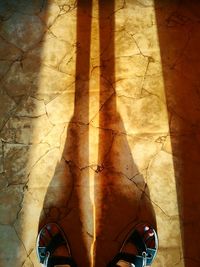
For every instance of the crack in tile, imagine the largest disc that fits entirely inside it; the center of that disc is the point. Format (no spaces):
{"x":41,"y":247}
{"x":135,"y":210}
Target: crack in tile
{"x":71,"y":163}
{"x":120,"y":8}
{"x":27,"y":254}
{"x":175,"y":18}
{"x":113,"y":94}
{"x":143,"y":4}
{"x":10,"y":115}
{"x":181,"y":53}
{"x":66,"y":8}
{"x":3,"y":155}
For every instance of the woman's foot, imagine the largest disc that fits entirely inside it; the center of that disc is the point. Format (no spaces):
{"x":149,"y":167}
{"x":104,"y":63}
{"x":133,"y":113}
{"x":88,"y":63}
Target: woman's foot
{"x":139,"y":248}
{"x":52,"y":247}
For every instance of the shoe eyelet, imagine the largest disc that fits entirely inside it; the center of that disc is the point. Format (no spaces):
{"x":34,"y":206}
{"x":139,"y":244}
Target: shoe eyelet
{"x":144,"y":258}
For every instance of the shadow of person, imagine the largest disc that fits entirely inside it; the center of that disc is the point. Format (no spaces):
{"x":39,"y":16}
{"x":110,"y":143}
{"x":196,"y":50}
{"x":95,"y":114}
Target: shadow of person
{"x":64,"y":199}
{"x":121,"y":201}
{"x":178,"y":27}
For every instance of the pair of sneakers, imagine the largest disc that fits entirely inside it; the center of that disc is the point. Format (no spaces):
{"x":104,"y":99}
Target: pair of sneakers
{"x":138,"y":250}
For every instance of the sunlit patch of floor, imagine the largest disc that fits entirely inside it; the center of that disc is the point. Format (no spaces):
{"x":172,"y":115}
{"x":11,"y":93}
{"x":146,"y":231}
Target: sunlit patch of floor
{"x":38,"y":126}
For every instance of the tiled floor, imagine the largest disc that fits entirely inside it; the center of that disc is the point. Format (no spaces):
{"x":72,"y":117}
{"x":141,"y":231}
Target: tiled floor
{"x":99,"y":126}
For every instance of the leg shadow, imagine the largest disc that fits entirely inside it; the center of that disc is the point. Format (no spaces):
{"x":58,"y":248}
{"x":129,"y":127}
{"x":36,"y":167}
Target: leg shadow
{"x":121,"y":202}
{"x":69,"y":185}
{"x":178,"y":27}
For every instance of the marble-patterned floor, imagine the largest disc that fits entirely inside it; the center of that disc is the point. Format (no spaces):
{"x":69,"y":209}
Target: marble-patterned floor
{"x":99,"y":126}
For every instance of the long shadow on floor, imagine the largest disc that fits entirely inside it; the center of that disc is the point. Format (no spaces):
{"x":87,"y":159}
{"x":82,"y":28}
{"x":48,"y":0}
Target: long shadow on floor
{"x":65,"y":195}
{"x":119,"y":201}
{"x":179,"y":38}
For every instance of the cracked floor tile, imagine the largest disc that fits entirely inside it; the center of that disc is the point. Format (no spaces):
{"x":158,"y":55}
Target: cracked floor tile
{"x":99,"y":126}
